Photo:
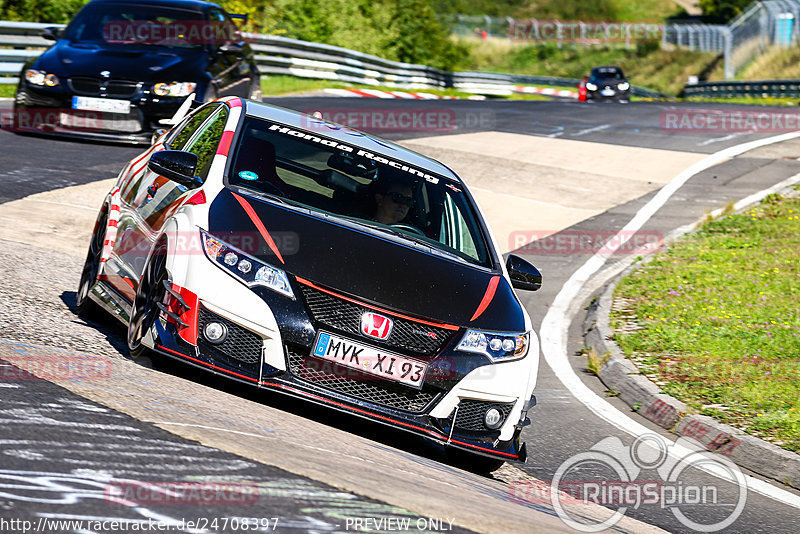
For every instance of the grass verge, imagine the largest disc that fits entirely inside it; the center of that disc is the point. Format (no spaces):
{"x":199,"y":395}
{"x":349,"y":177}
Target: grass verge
{"x":7,"y":90}
{"x":716,"y":320}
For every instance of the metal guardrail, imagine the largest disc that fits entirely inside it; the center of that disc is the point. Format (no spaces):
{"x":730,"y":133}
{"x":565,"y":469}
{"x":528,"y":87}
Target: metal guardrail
{"x":760,"y":89}
{"x":282,"y":55}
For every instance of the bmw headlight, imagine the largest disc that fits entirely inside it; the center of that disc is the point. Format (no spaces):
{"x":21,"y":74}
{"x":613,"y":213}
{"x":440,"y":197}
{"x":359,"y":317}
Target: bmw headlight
{"x":624,"y":86}
{"x":498,"y":347}
{"x":40,"y":77}
{"x":174,"y":88}
{"x":590,"y":86}
{"x":246,"y":268}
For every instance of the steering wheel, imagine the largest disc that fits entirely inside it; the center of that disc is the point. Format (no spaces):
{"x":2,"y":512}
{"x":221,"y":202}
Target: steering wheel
{"x":408,"y":228}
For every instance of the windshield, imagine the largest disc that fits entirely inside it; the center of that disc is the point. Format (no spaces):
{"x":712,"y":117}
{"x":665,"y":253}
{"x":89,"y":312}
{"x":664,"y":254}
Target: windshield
{"x":391,"y":196}
{"x":608,"y":73}
{"x":145,"y":25}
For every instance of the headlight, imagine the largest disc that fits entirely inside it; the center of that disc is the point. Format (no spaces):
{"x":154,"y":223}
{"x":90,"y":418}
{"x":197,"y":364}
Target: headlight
{"x":40,"y":77}
{"x":498,"y":347}
{"x":624,"y":86}
{"x":174,"y":88}
{"x":246,"y":268}
{"x":590,"y":86}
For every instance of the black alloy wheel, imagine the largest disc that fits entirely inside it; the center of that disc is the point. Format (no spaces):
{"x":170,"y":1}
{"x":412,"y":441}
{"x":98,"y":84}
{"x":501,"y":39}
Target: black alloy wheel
{"x":151,"y":291}
{"x":86,"y":307}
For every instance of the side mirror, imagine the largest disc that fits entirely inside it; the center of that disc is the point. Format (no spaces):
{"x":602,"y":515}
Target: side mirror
{"x":231,"y":48}
{"x":175,"y":165}
{"x":523,"y":275}
{"x":50,"y":33}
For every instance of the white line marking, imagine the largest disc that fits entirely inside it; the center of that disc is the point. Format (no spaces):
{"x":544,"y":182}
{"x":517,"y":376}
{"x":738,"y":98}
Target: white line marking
{"x":718,"y":139}
{"x":592,"y":130}
{"x":553,"y":331}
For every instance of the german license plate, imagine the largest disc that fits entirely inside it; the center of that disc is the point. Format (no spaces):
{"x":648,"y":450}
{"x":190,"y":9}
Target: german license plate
{"x":607,"y":92}
{"x":369,"y":359}
{"x":108,"y":105}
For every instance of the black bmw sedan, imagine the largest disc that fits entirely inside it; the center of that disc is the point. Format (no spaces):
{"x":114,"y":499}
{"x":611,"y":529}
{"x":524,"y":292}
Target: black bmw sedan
{"x":607,"y":83}
{"x":120,"y":68}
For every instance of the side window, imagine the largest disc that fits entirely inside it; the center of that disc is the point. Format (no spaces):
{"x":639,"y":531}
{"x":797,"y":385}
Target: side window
{"x":454,"y":231}
{"x":225,"y":30}
{"x":185,"y":130}
{"x":205,"y":141}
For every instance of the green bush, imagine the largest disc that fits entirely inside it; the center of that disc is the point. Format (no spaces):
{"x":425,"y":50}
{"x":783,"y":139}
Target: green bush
{"x":56,"y":11}
{"x":403,"y":30}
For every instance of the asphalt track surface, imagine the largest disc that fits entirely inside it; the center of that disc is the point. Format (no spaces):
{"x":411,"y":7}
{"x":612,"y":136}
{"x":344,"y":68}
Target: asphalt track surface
{"x":41,"y":418}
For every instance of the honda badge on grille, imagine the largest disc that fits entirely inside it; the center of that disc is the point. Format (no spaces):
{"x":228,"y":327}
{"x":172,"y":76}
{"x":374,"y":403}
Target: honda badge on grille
{"x":375,"y":325}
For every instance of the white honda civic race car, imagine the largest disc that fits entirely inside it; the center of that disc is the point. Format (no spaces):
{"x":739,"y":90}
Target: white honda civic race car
{"x":307,"y":258}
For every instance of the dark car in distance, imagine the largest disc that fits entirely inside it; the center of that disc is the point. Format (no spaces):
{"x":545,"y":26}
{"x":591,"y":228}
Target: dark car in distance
{"x":607,"y":83}
{"x":120,"y":68}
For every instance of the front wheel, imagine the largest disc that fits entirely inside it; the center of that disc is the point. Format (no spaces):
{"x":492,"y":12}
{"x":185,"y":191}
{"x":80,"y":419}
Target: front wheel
{"x":145,"y":311}
{"x":85,"y":306}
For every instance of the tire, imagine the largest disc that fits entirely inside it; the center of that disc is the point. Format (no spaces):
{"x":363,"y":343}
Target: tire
{"x":144,"y":311}
{"x":473,"y":462}
{"x":84,"y":305}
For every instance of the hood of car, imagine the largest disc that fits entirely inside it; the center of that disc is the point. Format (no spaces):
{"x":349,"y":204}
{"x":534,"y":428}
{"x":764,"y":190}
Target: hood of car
{"x":367,"y":265}
{"x":145,"y":64}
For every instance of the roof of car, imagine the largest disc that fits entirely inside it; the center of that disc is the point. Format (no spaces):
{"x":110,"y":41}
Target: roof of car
{"x":349,"y":136}
{"x":186,"y":4}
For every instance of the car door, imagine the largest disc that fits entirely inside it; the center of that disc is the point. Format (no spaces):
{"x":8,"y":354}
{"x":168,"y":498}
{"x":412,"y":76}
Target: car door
{"x":151,"y":199}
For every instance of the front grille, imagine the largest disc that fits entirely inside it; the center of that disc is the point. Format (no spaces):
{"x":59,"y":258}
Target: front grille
{"x":470,"y":413}
{"x":343,"y":315}
{"x":353,"y":383}
{"x":88,"y":86}
{"x":241,"y":348}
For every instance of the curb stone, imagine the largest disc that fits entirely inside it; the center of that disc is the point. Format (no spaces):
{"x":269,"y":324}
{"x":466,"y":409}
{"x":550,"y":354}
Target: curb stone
{"x":646,"y":398}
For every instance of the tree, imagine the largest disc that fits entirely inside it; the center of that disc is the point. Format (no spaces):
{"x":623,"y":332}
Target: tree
{"x":723,"y":10}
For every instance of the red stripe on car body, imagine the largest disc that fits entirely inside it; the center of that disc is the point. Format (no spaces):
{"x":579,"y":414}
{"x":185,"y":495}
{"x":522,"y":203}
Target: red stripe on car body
{"x":259,"y":225}
{"x":487,"y":297}
{"x":394,"y":314}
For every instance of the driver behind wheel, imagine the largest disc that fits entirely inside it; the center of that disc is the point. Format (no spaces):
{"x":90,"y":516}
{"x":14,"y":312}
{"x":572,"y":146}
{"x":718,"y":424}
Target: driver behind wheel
{"x":392,"y":201}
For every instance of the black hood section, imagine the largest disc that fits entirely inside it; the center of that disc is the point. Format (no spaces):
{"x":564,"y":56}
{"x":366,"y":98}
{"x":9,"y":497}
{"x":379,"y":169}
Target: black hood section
{"x":144,"y":63}
{"x":369,"y":267}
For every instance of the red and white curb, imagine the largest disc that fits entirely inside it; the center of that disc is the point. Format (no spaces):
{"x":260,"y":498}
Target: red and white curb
{"x":378,"y":93}
{"x":563,"y":93}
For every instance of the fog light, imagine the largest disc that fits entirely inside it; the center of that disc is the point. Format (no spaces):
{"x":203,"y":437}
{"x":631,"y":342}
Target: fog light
{"x":493,"y":419}
{"x":215,"y":332}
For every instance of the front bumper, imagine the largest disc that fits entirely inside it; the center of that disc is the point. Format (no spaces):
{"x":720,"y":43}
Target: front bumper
{"x":616,"y":96}
{"x":448,"y":411}
{"x":50,"y":112}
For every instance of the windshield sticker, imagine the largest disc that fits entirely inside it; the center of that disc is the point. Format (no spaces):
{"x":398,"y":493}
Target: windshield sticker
{"x":248,"y":175}
{"x":361,"y":152}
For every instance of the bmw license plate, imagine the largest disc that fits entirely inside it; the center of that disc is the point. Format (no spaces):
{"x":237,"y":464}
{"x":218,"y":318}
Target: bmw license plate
{"x":108,"y":105}
{"x":370,"y":360}
{"x":607,"y":92}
